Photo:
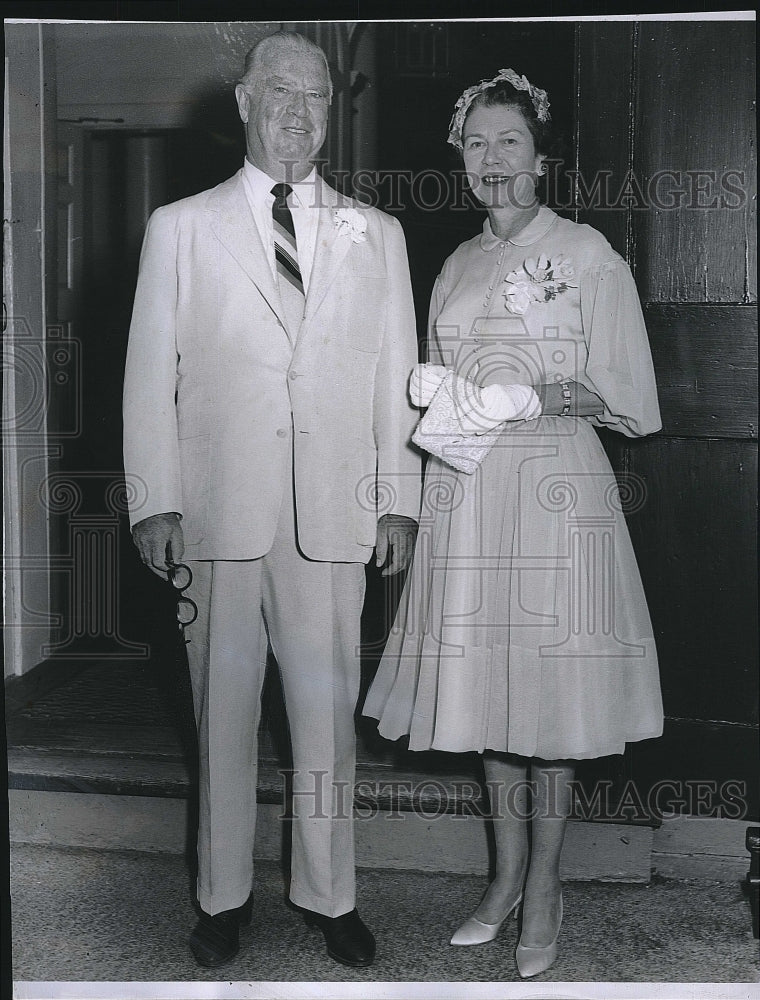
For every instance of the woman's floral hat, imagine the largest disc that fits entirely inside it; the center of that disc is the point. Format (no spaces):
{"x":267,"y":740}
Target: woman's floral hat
{"x":538,"y":97}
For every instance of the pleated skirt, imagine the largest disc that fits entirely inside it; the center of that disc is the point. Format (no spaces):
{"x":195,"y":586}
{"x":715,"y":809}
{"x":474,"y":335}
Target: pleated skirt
{"x":523,"y":626}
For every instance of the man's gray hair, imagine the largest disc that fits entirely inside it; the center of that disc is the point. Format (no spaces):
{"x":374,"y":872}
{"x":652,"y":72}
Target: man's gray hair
{"x":283,"y":40}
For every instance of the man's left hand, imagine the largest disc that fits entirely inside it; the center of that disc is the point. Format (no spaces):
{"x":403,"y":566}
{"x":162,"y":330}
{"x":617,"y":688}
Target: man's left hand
{"x":397,"y":534}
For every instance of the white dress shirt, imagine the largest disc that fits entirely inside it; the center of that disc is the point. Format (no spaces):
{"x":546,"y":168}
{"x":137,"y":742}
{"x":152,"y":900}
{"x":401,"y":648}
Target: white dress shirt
{"x":304,"y":209}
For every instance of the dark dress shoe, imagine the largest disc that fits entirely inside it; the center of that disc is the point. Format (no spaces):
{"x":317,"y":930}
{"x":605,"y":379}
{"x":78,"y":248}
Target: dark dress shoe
{"x":349,"y":941}
{"x":216,"y":939}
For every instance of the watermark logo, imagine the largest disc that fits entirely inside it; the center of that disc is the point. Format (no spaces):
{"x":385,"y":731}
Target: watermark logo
{"x":314,"y":796}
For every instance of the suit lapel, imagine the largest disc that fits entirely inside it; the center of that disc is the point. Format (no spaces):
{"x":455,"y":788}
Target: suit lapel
{"x":233,"y":224}
{"x":329,"y":252}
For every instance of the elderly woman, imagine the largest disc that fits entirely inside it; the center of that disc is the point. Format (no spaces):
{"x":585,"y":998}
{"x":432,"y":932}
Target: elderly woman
{"x":523,"y":631}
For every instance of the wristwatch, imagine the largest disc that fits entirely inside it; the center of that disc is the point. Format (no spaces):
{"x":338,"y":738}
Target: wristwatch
{"x":566,"y":398}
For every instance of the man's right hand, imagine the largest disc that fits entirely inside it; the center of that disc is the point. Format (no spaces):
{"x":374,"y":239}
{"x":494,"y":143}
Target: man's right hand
{"x":159,"y":542}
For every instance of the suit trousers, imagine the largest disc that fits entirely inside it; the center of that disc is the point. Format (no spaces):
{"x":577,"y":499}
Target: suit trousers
{"x":310,"y":614}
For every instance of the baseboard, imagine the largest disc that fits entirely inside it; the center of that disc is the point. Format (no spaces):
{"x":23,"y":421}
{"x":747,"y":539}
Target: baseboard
{"x":592,"y":851}
{"x":690,"y":847}
{"x":683,"y":847}
{"x":409,"y":841}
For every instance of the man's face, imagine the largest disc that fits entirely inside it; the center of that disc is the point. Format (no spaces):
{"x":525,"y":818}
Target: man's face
{"x":284,"y":110}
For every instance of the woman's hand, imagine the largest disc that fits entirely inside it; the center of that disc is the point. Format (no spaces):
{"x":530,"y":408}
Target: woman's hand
{"x":424,"y":382}
{"x":481,"y":409}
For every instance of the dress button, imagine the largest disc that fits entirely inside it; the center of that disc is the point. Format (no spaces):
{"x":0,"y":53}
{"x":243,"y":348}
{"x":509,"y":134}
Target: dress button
{"x":281,"y":432}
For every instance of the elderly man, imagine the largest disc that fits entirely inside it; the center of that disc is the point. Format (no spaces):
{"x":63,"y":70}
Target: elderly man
{"x":266,"y":424}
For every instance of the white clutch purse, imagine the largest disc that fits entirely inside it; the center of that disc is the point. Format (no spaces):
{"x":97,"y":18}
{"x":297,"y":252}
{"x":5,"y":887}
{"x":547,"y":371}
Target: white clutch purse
{"x":439,"y":433}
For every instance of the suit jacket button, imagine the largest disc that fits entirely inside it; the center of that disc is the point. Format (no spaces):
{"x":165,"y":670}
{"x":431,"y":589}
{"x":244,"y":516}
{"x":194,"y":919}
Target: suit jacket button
{"x":281,"y":432}
{"x":292,"y":375}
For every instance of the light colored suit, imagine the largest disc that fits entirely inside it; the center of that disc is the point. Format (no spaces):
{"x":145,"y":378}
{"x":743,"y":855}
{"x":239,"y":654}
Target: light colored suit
{"x":208,"y":324}
{"x":280,"y":448}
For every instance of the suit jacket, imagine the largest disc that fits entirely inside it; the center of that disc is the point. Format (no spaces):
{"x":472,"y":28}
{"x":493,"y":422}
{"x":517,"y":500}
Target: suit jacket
{"x":220,"y":397}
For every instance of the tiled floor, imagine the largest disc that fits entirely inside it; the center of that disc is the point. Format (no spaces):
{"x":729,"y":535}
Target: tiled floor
{"x":84,"y":915}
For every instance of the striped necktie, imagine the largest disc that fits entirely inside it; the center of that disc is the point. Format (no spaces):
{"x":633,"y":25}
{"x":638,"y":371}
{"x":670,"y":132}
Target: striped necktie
{"x":285,"y":250}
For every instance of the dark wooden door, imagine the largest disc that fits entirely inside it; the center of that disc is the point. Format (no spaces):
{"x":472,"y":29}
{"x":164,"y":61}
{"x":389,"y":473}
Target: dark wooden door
{"x":667,"y":110}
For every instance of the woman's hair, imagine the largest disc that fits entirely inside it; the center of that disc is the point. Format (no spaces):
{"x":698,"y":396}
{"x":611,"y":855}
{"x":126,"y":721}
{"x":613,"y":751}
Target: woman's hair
{"x":505,"y":95}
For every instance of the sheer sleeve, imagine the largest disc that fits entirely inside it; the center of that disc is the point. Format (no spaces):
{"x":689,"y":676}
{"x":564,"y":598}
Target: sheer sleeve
{"x":619,"y":367}
{"x":433,"y":352}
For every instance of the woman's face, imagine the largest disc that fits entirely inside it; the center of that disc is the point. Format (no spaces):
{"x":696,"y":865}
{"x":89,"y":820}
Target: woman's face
{"x":500,"y":157}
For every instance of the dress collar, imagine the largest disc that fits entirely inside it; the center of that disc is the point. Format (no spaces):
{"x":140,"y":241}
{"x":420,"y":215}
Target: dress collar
{"x":538,"y":226}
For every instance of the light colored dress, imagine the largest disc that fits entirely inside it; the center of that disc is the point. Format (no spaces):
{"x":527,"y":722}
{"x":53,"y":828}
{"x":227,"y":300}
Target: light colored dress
{"x":523,"y":626}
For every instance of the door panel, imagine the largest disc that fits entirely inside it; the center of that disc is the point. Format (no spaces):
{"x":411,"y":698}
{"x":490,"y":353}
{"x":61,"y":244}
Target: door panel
{"x":705,"y":357}
{"x":695,"y":116}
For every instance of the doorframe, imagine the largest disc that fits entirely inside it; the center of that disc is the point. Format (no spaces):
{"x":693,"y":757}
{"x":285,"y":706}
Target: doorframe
{"x":29,"y":301}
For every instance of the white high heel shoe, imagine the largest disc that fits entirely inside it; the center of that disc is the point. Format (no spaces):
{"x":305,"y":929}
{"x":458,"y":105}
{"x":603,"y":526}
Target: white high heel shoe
{"x":474,"y":931}
{"x":532,"y":961}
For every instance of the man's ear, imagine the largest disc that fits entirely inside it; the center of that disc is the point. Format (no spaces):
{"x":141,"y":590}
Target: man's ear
{"x":242,"y":97}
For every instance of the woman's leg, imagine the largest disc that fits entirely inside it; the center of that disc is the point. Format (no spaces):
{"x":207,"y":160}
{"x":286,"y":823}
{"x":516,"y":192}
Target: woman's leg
{"x":507,"y":779}
{"x":552,"y":800}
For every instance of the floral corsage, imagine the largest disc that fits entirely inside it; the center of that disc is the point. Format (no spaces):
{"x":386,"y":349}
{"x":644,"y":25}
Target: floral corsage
{"x":351,"y":223}
{"x":538,"y":280}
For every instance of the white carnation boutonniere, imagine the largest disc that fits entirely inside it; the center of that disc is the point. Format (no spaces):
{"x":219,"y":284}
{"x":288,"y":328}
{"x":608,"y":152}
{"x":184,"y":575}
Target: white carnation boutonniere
{"x":539,"y":279}
{"x":350,"y":222}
